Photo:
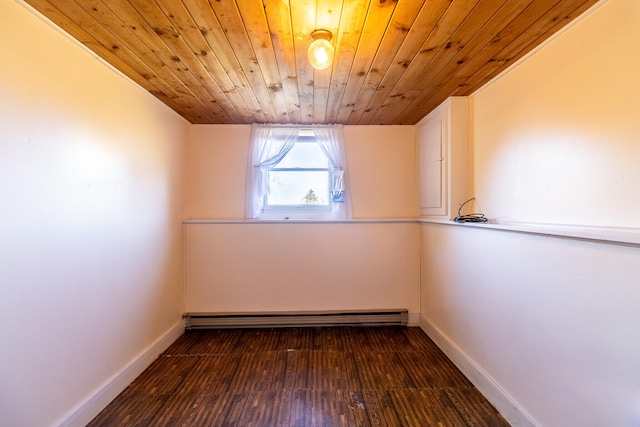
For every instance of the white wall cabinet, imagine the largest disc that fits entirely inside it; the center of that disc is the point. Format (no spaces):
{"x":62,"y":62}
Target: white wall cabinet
{"x":443,"y":169}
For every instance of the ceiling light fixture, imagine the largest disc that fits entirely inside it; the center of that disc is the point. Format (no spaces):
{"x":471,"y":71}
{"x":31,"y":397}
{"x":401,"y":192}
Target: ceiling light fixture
{"x":320,"y":50}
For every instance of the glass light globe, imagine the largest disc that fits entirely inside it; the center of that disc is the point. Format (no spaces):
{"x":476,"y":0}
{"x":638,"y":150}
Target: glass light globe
{"x":320,"y":54}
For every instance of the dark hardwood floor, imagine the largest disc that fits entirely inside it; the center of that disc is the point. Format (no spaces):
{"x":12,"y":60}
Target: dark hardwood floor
{"x":351,"y":376}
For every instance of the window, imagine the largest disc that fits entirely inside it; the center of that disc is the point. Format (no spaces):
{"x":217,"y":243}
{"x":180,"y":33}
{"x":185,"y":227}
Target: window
{"x":301,"y":179}
{"x":296,"y":173}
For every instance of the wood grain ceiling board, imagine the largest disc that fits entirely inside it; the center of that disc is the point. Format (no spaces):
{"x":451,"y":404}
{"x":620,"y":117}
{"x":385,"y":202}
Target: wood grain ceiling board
{"x":245,"y":61}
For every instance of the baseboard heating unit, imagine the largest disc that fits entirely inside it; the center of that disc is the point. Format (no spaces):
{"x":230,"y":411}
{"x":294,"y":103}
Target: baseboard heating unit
{"x":296,"y":319}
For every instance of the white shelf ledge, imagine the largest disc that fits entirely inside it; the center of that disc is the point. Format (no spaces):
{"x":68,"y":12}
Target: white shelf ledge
{"x":301,"y":221}
{"x":617,"y":235}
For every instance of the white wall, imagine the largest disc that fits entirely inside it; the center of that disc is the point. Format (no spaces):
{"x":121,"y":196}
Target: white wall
{"x":90,"y":226}
{"x":381,"y":162}
{"x":262,"y":267}
{"x":241,"y":267}
{"x":382,"y":171}
{"x":216,"y":162}
{"x":554,"y":322}
{"x":549,"y":326}
{"x":556,"y":139}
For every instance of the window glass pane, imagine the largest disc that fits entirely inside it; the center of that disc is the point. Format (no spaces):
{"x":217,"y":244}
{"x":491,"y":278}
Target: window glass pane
{"x":298,"y":188}
{"x":305,"y":155}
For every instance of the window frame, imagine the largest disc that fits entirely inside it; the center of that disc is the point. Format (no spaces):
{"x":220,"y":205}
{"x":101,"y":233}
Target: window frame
{"x":269,"y":144}
{"x":306,"y":136}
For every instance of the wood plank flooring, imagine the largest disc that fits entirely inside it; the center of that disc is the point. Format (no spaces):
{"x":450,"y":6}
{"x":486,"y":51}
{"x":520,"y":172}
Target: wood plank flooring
{"x":352,"y":376}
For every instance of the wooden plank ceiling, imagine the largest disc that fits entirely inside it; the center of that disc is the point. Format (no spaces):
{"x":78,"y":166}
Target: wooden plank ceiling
{"x":245,"y":61}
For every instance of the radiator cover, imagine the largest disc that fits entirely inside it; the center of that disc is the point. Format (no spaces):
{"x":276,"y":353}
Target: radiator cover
{"x":393,"y":317}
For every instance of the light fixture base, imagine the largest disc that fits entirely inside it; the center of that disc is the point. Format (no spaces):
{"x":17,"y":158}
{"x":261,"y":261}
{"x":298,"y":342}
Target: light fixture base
{"x":321,"y":34}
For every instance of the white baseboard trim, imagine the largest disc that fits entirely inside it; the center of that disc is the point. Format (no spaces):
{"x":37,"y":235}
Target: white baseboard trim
{"x":499,"y":398}
{"x":414,"y":319}
{"x":91,"y":406}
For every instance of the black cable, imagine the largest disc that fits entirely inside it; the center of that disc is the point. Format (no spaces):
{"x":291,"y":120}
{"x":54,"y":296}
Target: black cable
{"x":474,"y":217}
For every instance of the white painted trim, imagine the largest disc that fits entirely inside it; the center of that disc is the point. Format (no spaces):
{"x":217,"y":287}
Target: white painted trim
{"x":91,"y":406}
{"x":414,"y":319}
{"x":301,"y":221}
{"x":602,"y":234}
{"x":503,"y":402}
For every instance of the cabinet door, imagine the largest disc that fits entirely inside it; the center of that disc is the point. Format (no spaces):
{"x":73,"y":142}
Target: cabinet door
{"x":443,"y":139}
{"x":432,"y":167}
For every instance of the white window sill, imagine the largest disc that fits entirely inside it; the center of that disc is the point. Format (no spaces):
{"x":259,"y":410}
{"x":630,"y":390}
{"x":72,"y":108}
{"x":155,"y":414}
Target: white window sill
{"x":319,"y":213}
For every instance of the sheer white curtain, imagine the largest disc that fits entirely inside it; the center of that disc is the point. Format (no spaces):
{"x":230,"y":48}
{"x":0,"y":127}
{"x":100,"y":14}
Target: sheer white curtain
{"x":269,"y":145}
{"x":331,"y":141}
